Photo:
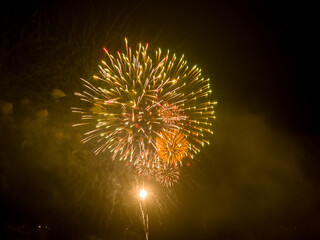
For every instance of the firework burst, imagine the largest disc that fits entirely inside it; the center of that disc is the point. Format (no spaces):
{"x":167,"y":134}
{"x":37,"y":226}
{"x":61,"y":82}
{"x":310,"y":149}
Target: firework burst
{"x":145,"y":164}
{"x":167,"y":174}
{"x":145,"y":107}
{"x":172,"y":146}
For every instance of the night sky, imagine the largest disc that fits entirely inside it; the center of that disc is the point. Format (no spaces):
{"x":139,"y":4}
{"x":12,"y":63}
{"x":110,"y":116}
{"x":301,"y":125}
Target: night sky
{"x":258,"y":179}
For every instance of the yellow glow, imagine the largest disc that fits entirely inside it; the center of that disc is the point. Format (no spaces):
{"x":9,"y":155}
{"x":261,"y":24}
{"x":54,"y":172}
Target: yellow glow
{"x":143,"y":194}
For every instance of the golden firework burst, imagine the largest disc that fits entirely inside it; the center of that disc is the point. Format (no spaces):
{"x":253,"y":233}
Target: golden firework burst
{"x":172,"y":146}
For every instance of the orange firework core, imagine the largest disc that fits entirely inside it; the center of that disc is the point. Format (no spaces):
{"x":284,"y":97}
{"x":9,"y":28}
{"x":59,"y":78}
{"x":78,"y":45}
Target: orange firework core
{"x":172,"y":146}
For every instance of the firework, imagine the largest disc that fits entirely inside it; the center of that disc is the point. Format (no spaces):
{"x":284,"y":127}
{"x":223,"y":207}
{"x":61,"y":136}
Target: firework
{"x":172,"y":146}
{"x":143,"y":107}
{"x":171,"y":113}
{"x":145,"y":164}
{"x":167,"y":174}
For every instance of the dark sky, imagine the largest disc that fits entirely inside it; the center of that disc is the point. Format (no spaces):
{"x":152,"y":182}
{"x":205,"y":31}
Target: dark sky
{"x":257,"y":180}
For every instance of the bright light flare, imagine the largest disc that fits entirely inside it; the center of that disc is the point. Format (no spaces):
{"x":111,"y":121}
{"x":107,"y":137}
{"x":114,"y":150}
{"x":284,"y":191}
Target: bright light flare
{"x":143,"y":194}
